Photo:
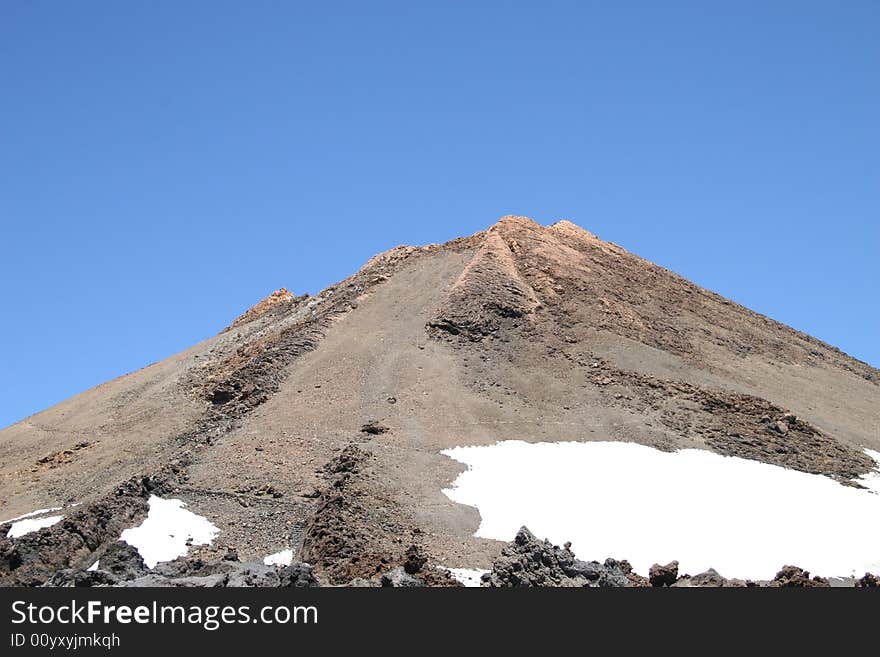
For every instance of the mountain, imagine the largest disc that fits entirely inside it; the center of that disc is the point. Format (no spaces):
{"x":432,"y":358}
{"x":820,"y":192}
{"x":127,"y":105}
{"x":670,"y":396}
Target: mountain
{"x":316,"y":423}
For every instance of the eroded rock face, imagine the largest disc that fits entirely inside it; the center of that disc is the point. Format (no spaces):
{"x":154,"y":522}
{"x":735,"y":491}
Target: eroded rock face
{"x":350,"y":543}
{"x":36,"y":558}
{"x":793,"y":576}
{"x":123,"y":560}
{"x":528,"y":562}
{"x":340,"y":538}
{"x":663,"y":575}
{"x":277,"y":302}
{"x":489,"y":296}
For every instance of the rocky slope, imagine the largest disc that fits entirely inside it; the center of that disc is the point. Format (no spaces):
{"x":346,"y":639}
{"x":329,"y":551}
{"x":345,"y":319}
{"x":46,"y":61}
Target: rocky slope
{"x":316,"y":423}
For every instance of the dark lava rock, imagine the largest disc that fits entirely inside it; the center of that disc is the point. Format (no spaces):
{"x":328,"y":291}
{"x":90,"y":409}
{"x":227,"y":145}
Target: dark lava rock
{"x":251,"y":574}
{"x":153,"y":581}
{"x":709,"y":578}
{"x":69,"y":577}
{"x":297,"y":575}
{"x":122,"y":560}
{"x":128,"y":571}
{"x":374,"y":428}
{"x":399,"y":578}
{"x":230,"y":574}
{"x":797,"y":577}
{"x":84,"y":533}
{"x":868,"y":581}
{"x":119,"y":562}
{"x":614,"y":573}
{"x":35,"y":558}
{"x":415,"y":560}
{"x":663,"y":575}
{"x":528,"y":562}
{"x":347,"y":462}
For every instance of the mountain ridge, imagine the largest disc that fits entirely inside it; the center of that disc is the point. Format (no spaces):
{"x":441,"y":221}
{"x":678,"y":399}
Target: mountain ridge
{"x":520,"y":330}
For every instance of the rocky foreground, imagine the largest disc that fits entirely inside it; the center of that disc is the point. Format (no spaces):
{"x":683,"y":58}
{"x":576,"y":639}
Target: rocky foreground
{"x":528,"y":561}
{"x":340,"y":548}
{"x":524,"y":562}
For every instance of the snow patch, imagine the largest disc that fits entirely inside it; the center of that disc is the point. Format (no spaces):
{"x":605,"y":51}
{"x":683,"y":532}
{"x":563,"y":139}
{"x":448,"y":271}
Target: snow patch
{"x":468,"y":576}
{"x":282,"y":558}
{"x":38,"y":512}
{"x":871,"y":481}
{"x":612,"y":499}
{"x":22,"y":527}
{"x":94,"y":566}
{"x":167,"y":531}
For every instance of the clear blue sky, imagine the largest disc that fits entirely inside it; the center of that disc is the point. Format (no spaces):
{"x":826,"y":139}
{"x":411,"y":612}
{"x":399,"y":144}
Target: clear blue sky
{"x":165,"y":165}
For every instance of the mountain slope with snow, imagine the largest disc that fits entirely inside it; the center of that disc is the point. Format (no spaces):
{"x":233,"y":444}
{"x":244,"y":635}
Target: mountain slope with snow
{"x":319,"y":424}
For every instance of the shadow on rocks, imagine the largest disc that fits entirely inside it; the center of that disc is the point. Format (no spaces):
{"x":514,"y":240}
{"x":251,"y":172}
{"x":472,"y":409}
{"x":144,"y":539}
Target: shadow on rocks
{"x":529,"y":562}
{"x":121,"y":565}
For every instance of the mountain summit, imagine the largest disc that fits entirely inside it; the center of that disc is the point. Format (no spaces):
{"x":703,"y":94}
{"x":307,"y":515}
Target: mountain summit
{"x":316,"y":423}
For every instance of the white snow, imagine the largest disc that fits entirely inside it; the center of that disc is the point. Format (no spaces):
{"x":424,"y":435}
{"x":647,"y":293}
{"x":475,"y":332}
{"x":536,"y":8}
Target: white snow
{"x":164,"y":534}
{"x":468,"y":576}
{"x":872,"y":479}
{"x":611,"y":499}
{"x":22,"y":527}
{"x":282,"y":558}
{"x":94,"y":566}
{"x":38,"y":512}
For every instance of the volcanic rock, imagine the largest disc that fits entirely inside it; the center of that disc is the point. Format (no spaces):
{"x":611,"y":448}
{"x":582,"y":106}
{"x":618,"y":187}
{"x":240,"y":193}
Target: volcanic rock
{"x":516,"y":330}
{"x":528,"y":562}
{"x":663,"y":575}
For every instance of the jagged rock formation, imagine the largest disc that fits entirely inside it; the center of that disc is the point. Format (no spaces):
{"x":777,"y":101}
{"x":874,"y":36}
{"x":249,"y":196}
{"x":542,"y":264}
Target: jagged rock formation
{"x":529,"y":562}
{"x":125,"y":568}
{"x":488,"y":295}
{"x":85,"y":535}
{"x":663,"y":575}
{"x":278,"y":302}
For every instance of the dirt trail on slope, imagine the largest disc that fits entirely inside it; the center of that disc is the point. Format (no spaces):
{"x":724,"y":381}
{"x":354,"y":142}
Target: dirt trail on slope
{"x":375,"y":363}
{"x":519,"y":332}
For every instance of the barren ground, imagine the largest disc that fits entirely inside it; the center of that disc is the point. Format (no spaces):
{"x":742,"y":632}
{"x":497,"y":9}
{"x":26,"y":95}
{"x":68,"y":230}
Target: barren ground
{"x":520,"y":332}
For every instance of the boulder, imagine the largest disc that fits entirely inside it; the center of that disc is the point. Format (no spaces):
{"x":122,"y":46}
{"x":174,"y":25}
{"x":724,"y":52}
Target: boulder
{"x":663,"y":575}
{"x":529,"y":562}
{"x":399,"y":578}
